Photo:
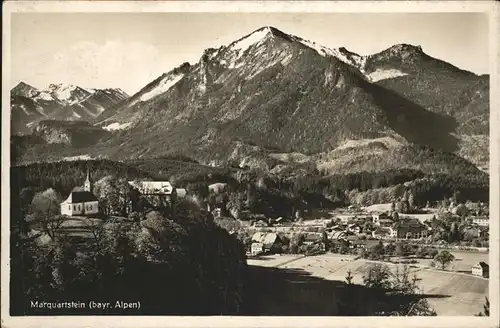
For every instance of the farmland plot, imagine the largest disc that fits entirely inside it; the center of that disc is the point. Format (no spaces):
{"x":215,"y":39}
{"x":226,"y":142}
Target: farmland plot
{"x":450,"y":293}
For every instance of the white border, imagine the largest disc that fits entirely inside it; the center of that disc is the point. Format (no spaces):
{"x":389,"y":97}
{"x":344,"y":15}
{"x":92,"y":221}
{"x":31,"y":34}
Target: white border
{"x":487,"y":7}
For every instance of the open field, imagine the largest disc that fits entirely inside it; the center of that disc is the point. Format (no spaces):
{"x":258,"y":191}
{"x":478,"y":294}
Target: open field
{"x":463,"y":261}
{"x":451,"y":293}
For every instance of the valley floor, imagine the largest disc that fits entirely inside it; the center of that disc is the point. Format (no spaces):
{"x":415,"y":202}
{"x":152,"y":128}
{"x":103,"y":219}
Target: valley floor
{"x":299,"y":285}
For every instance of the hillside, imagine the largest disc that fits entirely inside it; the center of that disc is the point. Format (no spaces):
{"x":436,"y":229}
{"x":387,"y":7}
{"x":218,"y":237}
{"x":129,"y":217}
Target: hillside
{"x":434,"y":84}
{"x":271,"y":91}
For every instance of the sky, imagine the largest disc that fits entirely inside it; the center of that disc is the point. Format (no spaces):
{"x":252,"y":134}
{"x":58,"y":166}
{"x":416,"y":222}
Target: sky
{"x":129,"y":50}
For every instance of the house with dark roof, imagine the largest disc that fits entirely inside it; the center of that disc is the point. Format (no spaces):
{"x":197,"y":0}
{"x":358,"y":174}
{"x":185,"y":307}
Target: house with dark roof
{"x":481,"y":269}
{"x":314,"y":239}
{"x":378,"y":218}
{"x":337,"y":235}
{"x":263,"y":242}
{"x":81,"y":202}
{"x":409,"y":229}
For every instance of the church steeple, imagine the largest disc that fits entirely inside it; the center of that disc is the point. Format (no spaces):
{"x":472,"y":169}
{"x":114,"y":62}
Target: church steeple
{"x":87,"y":186}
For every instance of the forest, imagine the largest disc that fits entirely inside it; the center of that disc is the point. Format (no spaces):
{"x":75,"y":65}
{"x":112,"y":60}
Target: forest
{"x":271,"y":194}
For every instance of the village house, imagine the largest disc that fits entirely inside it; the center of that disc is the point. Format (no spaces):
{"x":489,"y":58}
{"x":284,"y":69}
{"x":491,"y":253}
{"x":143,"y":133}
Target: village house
{"x":481,"y":269}
{"x":263,"y":242}
{"x":355,"y":242}
{"x":337,"y":228}
{"x":482,"y":221}
{"x":385,"y":223}
{"x":337,"y":235}
{"x":260,"y":224}
{"x":81,"y":202}
{"x":156,"y":193}
{"x":162,"y":189}
{"x":382,"y":219}
{"x":314,"y":239}
{"x":354,"y":228}
{"x":256,"y":249}
{"x":311,"y":238}
{"x":409,"y":229}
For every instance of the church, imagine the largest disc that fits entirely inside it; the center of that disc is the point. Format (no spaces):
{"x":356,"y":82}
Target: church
{"x":81,"y":202}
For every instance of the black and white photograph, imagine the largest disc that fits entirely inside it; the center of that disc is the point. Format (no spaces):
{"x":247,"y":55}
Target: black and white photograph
{"x":248,"y":163}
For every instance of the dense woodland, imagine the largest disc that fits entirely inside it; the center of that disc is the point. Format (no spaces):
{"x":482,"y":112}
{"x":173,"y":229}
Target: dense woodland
{"x":268,"y":192}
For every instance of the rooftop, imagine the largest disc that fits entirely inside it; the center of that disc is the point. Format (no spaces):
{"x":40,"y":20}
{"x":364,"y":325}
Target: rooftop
{"x":80,"y":197}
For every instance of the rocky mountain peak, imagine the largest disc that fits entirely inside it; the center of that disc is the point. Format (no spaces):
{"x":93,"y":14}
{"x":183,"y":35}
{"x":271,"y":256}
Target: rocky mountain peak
{"x":25,"y":90}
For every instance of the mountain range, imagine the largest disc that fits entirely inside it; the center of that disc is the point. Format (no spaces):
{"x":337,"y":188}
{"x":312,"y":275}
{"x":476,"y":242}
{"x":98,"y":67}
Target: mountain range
{"x":269,"y":97}
{"x":63,"y":102}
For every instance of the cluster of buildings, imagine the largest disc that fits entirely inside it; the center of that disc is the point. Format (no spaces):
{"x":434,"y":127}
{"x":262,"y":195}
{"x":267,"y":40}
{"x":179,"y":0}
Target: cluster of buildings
{"x":85,"y":203}
{"x":272,"y":242}
{"x":383,"y":226}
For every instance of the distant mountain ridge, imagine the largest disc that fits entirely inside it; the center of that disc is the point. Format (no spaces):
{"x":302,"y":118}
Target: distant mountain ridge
{"x":271,"y":92}
{"x":59,"y":102}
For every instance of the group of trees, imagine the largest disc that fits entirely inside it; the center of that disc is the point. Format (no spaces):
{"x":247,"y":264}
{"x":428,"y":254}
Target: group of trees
{"x":456,"y":230}
{"x":397,"y":290}
{"x":379,"y":251}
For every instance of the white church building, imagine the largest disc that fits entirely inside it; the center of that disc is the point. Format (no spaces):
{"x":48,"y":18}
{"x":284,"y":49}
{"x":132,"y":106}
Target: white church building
{"x":81,"y":202}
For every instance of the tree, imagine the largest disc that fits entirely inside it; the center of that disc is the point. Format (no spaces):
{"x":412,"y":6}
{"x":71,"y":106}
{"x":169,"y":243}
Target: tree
{"x":96,"y":228}
{"x":199,"y":189}
{"x":113,"y":194}
{"x":402,"y":206}
{"x":444,"y":258}
{"x":324,"y":239}
{"x":402,"y":287}
{"x":461,"y":210}
{"x":368,"y":226}
{"x":390,"y":248}
{"x":349,"y":277}
{"x":433,"y":252}
{"x":402,"y":249}
{"x":404,"y":284}
{"x":457,"y":197}
{"x":235,"y":204}
{"x":46,"y":208}
{"x":377,"y":276}
{"x":377,"y":251}
{"x":486,"y":309}
{"x":411,"y":202}
{"x":26,"y":197}
{"x":395,"y":216}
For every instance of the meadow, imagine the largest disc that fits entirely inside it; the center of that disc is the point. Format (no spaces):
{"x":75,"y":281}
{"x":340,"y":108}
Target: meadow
{"x":451,"y":293}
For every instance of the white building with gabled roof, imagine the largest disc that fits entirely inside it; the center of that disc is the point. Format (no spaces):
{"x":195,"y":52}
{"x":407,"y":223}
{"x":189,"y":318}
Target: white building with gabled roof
{"x":153,"y":187}
{"x":81,"y":202}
